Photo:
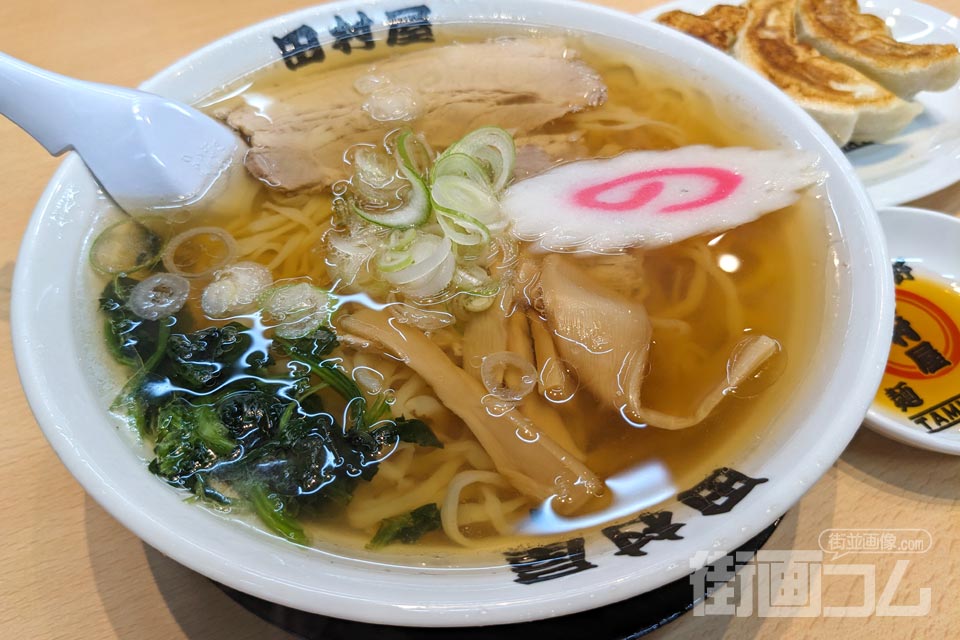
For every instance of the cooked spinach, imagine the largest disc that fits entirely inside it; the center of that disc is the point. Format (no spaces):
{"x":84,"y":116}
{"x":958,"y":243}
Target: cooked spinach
{"x":131,"y":340}
{"x":407,"y":528}
{"x":140,"y":345}
{"x":190,"y":439}
{"x":201,"y":359}
{"x":251,"y":415}
{"x":273,"y":512}
{"x":414,"y":431}
{"x":227,"y":424}
{"x":312,"y":351}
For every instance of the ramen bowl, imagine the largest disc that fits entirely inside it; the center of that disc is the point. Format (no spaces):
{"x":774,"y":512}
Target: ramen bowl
{"x":678,"y":532}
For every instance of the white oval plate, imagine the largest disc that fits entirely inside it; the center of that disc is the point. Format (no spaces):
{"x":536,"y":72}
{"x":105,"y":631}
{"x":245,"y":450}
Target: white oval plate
{"x":924,"y":157}
{"x":929,"y":240}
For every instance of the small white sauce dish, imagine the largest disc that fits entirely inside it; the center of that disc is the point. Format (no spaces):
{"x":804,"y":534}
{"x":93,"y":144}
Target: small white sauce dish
{"x":926,"y":242}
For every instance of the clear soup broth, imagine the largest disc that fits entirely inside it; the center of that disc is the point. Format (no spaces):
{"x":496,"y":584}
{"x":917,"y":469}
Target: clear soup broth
{"x":703,"y":296}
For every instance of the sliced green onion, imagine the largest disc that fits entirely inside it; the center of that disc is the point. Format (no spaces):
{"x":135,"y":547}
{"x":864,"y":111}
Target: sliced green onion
{"x":464,"y":166}
{"x":412,"y":213}
{"x":427,"y":254}
{"x":125,"y":247}
{"x":431,"y":269}
{"x":390,"y":261}
{"x":490,"y":146}
{"x":374,"y":167}
{"x":159,"y":296}
{"x":198,"y":252}
{"x":296,"y":310}
{"x":476,"y":303}
{"x":435,"y":282}
{"x":375,"y":176}
{"x":478,"y":287}
{"x":348,"y":255}
{"x":475,"y":280}
{"x":414,"y":153}
{"x":401,"y":239}
{"x":463,"y":209}
{"x":234,"y":289}
{"x":463,"y":229}
{"x":460,"y":196}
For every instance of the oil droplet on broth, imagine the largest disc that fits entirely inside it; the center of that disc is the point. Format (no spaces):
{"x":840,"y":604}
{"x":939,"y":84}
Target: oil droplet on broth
{"x":494,"y":407}
{"x":760,"y":380}
{"x":559,"y":381}
{"x":369,"y":379}
{"x":527,"y":435}
{"x":390,"y":397}
{"x":526,"y":432}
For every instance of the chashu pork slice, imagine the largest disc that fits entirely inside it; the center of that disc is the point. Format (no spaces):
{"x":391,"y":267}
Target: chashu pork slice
{"x":718,"y":27}
{"x":848,"y":104}
{"x":298,"y":141}
{"x":837,"y":29}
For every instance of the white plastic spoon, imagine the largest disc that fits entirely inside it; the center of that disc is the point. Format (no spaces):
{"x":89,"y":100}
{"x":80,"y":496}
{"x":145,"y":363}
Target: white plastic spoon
{"x":147,"y":152}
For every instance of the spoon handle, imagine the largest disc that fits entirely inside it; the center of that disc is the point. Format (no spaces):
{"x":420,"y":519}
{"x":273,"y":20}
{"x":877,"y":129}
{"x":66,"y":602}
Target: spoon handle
{"x":146,"y":151}
{"x":49,"y":106}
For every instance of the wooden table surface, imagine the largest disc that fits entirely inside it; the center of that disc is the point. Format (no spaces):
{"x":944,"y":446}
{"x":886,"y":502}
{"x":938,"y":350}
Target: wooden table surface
{"x":67,"y":569}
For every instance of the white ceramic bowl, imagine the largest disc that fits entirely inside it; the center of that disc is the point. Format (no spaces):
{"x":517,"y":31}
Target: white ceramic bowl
{"x":808,"y":435}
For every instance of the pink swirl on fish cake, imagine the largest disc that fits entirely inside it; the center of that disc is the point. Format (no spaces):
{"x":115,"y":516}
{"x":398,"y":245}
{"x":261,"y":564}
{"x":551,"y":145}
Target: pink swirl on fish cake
{"x":725,"y":183}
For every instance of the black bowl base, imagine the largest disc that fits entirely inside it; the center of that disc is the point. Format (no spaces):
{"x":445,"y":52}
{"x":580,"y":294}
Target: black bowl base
{"x":624,"y":620}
